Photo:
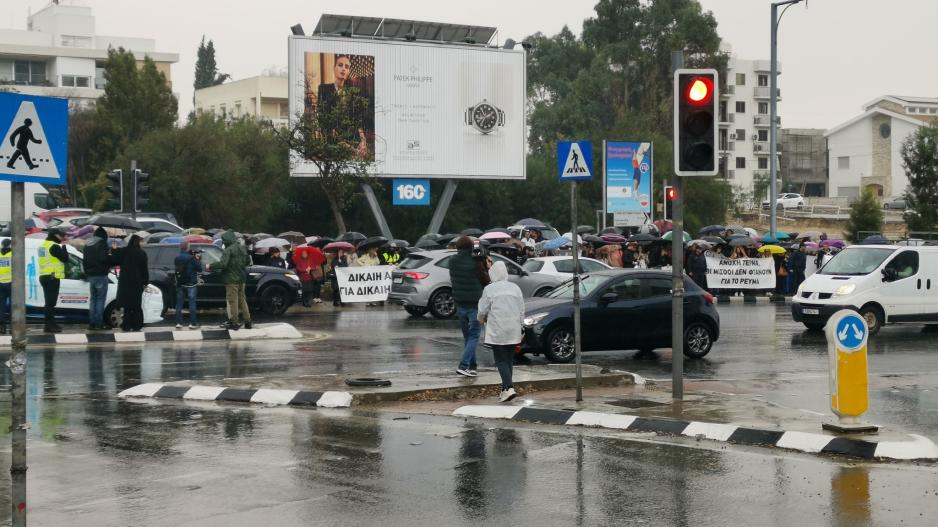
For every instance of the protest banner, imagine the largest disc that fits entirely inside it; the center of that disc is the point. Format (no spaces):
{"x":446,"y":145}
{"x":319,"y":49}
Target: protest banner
{"x":364,"y":284}
{"x":740,"y":273}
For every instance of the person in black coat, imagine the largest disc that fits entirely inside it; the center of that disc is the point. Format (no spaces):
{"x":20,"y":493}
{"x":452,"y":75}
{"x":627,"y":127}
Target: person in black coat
{"x":131,"y":282}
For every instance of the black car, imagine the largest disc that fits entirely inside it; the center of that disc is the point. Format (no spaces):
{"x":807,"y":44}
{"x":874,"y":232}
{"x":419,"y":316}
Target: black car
{"x":272,"y":289}
{"x":619,"y":310}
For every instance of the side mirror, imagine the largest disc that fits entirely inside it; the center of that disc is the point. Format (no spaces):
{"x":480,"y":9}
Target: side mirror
{"x":890,"y":275}
{"x":608,"y":298}
{"x":522,"y":272}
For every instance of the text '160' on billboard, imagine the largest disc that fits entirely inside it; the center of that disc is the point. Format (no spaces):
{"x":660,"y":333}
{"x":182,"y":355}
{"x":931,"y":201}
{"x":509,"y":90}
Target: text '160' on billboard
{"x":421,"y":110}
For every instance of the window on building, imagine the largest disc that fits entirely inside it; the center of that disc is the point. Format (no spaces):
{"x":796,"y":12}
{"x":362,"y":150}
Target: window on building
{"x":740,"y":79}
{"x":284,"y":110}
{"x":237,"y":109}
{"x":740,"y":162}
{"x":912,"y":109}
{"x":763,"y":108}
{"x":763,"y":135}
{"x":763,"y":163}
{"x":222,"y":111}
{"x":29,"y":72}
{"x":740,"y":135}
{"x":763,"y":80}
{"x":76,"y":81}
{"x":933,"y":110}
{"x":740,"y":106}
{"x":843,"y":162}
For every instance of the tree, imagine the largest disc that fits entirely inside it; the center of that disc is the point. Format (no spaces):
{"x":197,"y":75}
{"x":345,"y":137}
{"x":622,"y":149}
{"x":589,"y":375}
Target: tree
{"x":206,"y":68}
{"x":865,"y":216}
{"x":136,"y":100}
{"x":920,"y":161}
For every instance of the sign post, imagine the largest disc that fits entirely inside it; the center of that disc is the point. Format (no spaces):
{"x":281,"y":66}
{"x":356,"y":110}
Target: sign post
{"x":35,"y":145}
{"x":575,"y":163}
{"x":847,"y":335}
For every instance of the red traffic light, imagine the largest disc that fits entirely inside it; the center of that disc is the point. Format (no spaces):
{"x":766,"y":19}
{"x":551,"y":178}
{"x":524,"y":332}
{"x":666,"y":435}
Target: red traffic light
{"x":670,"y":193}
{"x":700,"y":90}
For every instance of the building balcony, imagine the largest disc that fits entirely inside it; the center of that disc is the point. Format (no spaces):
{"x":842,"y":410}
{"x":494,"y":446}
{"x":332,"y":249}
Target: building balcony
{"x":727,"y":119}
{"x":730,"y":174}
{"x":765,"y":66}
{"x":762,"y":121}
{"x":728,"y":146}
{"x":764,"y":92}
{"x":727,"y":91}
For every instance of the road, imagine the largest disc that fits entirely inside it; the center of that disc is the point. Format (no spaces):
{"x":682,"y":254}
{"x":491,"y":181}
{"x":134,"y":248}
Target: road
{"x":95,"y":460}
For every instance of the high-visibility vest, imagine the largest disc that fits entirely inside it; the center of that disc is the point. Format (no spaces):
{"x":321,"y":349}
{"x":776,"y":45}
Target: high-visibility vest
{"x":6,"y":273}
{"x":49,"y":264}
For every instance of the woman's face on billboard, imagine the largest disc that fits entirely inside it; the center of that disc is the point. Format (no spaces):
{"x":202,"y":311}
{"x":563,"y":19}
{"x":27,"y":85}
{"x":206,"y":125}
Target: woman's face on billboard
{"x":343,"y":66}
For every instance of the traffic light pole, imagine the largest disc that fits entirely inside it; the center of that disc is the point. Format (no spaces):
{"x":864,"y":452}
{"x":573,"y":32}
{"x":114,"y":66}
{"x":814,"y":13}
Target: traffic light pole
{"x":677,"y":271}
{"x":133,"y":174}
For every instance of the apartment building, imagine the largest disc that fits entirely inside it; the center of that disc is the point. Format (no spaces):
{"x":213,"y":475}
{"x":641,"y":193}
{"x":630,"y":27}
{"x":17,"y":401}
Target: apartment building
{"x":263,"y":97}
{"x":803,"y":164}
{"x":59,"y":54}
{"x":744,"y":125}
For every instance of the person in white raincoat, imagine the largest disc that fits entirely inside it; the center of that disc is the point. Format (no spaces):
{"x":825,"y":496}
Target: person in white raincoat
{"x":501,"y":310}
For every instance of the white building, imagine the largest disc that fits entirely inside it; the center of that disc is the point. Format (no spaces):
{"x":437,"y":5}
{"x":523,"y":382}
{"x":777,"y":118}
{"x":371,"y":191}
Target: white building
{"x":264,"y":97}
{"x":60,"y":55}
{"x":865,"y":152}
{"x":744,"y":125}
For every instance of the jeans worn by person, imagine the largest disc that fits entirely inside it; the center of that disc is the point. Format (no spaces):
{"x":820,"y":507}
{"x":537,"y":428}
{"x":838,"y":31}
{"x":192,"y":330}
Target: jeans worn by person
{"x":182,"y":293}
{"x":98,"y":287}
{"x":504,"y":362}
{"x":469,"y":323}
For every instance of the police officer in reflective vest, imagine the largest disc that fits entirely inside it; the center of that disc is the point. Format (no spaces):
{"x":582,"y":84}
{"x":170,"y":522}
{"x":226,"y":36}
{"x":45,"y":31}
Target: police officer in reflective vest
{"x":52,"y":258}
{"x":6,"y":276}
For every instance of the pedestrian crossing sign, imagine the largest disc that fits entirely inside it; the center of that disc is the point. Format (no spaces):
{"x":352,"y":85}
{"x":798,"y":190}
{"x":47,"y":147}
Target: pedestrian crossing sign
{"x":575,"y":160}
{"x":34,"y":146}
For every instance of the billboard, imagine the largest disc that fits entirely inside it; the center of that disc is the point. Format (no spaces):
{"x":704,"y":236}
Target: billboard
{"x":427,"y":110}
{"x":628,"y":174}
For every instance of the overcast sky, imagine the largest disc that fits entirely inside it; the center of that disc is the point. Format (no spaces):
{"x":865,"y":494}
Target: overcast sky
{"x":835,"y":55}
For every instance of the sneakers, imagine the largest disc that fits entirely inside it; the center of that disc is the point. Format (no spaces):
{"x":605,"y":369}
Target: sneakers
{"x":178,"y":326}
{"x":194,"y":326}
{"x":466,"y":372}
{"x":507,"y":395}
{"x":317,"y":301}
{"x":247,"y":325}
{"x":231,"y":326}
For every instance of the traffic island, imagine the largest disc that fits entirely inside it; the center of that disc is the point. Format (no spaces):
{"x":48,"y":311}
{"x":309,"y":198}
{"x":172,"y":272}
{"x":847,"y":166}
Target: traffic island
{"x":159,"y":334}
{"x":329,"y":399}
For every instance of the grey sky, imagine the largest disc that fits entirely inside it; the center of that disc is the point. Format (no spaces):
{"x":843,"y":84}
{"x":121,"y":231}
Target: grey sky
{"x":836,"y":55}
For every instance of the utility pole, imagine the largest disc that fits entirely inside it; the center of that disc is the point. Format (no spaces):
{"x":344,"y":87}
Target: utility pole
{"x":17,"y":362}
{"x":677,"y":269}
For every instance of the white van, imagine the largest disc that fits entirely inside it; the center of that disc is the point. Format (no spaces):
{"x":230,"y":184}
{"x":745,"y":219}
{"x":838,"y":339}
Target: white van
{"x":74,"y":292}
{"x":886,"y":284}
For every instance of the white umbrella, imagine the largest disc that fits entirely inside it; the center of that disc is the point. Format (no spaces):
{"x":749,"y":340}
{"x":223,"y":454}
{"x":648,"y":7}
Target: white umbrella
{"x":267,"y":243}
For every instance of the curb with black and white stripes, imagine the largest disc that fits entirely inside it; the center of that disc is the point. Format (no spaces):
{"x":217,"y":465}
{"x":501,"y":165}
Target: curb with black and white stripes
{"x":272,"y":331}
{"x":918,"y":448}
{"x":240,"y":395}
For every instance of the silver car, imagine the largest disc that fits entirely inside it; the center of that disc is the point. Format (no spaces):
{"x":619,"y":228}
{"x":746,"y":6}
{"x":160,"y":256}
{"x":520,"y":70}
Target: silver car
{"x":421,"y":283}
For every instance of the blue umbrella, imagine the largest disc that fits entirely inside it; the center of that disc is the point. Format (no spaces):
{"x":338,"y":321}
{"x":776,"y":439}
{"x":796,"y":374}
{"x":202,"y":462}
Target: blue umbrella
{"x":556,"y":243}
{"x":171,"y":240}
{"x":769,"y":239}
{"x":876,"y":239}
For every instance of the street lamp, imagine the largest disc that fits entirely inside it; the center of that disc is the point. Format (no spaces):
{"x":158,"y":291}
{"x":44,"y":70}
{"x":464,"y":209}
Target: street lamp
{"x":773,"y":115}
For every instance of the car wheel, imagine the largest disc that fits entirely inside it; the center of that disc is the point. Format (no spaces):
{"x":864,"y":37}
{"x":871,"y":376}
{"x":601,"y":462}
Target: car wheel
{"x":874,"y":318}
{"x":559,"y":346}
{"x":814,"y":326}
{"x":698,"y":339}
{"x":542,"y":291}
{"x":442,"y":304}
{"x":275,"y":299}
{"x":416,"y":311}
{"x":114,"y":315}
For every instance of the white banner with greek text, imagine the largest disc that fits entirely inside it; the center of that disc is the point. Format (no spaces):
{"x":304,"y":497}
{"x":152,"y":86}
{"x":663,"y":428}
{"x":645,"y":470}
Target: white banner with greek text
{"x":364,"y":284}
{"x":741,"y":273}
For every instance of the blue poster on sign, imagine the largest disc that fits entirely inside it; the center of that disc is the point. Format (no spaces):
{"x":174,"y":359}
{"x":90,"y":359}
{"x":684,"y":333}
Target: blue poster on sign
{"x":575,"y":160}
{"x":629,"y":177}
{"x":411,"y":192}
{"x":34,"y":144}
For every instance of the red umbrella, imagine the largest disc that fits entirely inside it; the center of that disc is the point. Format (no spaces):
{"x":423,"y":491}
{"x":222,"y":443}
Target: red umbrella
{"x":196,"y":238}
{"x":663,"y":225}
{"x":613,"y":238}
{"x":338,"y":246}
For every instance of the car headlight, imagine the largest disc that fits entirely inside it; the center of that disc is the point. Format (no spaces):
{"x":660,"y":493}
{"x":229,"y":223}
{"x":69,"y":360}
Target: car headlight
{"x":534,"y":319}
{"x":845,"y":289}
{"x":292,"y":276}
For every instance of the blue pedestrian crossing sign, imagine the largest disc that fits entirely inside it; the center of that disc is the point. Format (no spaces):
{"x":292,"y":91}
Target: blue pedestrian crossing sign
{"x":851,"y":332}
{"x":575,"y":160}
{"x":34,"y":145}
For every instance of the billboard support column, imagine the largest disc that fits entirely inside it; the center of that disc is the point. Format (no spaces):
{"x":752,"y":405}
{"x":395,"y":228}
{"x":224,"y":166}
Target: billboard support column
{"x":440,"y":213}
{"x":376,"y":210}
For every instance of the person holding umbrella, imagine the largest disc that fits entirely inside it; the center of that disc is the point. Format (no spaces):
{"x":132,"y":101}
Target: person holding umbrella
{"x":132,"y":281}
{"x":52,"y":258}
{"x":339,"y":260}
{"x":233,"y":264}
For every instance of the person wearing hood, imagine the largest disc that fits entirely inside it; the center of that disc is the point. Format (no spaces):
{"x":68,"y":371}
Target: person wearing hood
{"x":6,"y":278}
{"x":96,"y":254}
{"x":468,"y":276}
{"x":52,"y":258}
{"x":501,"y":311}
{"x":233,"y":265}
{"x":131,"y":283}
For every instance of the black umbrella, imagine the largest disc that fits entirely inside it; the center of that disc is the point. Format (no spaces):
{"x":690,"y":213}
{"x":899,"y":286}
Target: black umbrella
{"x":374,"y":241}
{"x":113,"y":220}
{"x":742,"y":241}
{"x":594,"y":240}
{"x":446,"y":238}
{"x":504,"y":247}
{"x":611,"y":230}
{"x":530,"y":221}
{"x":398,"y":244}
{"x":715,"y":240}
{"x":429,"y":236}
{"x":642,"y":237}
{"x":474,"y":232}
{"x":876,"y":239}
{"x":429,"y":245}
{"x":321,"y":242}
{"x":711,"y":229}
{"x":352,"y":237}
{"x":586,"y":229}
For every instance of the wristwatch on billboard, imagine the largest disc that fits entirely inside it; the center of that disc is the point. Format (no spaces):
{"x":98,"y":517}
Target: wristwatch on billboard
{"x":484,"y":116}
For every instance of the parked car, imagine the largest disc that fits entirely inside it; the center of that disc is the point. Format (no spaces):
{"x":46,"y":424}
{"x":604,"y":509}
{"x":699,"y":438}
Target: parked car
{"x":158,"y":225}
{"x":168,"y":216}
{"x":788,"y":200}
{"x":619,"y":310}
{"x":75,"y":294}
{"x":68,"y":222}
{"x":421,"y":282}
{"x":895,"y":204}
{"x":562,"y":265}
{"x":886,"y":284}
{"x":272,"y":289}
{"x":47,"y":215}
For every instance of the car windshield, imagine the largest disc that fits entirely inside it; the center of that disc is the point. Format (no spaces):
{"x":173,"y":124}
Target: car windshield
{"x":588,"y":284}
{"x":856,"y":261}
{"x":533,"y":266}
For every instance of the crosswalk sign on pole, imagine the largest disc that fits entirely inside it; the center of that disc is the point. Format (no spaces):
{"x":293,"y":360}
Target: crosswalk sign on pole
{"x":34,"y":144}
{"x":575,"y":160}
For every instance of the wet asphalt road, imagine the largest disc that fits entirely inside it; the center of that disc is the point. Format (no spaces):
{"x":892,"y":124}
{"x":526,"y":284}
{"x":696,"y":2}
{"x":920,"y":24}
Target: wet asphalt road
{"x":98,"y":461}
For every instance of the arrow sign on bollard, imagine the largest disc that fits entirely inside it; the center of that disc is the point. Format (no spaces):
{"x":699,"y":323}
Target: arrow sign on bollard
{"x":847,"y":335}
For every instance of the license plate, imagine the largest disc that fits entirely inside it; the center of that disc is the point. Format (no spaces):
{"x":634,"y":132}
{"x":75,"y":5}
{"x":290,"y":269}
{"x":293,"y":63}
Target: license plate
{"x":808,"y":311}
{"x":399,"y":280}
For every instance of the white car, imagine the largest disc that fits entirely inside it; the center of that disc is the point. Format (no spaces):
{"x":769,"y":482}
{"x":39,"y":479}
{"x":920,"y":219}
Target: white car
{"x":159,"y":225}
{"x":562,"y":265}
{"x":788,"y":200}
{"x":74,"y":291}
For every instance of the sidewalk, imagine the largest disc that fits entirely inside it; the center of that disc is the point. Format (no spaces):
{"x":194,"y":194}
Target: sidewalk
{"x":78,"y":336}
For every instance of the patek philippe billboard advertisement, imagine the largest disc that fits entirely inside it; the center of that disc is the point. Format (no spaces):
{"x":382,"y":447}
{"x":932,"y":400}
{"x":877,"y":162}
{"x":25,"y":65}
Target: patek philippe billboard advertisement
{"x":421,"y":110}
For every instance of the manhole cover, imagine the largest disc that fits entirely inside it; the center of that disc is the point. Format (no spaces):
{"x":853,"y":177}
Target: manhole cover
{"x":636,"y":403}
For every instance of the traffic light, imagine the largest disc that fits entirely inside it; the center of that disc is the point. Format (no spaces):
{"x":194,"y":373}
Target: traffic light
{"x":696,"y":99}
{"x":116,"y":190}
{"x":670,"y":194}
{"x":141,"y":190}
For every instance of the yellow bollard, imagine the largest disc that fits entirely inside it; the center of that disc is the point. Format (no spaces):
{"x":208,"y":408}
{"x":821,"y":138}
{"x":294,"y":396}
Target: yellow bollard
{"x":847,"y":335}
